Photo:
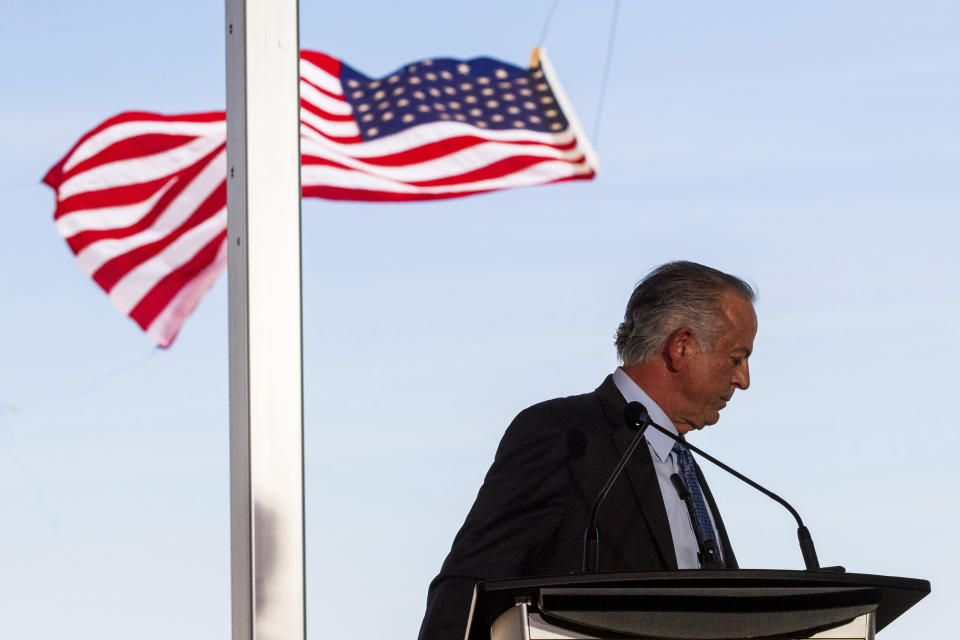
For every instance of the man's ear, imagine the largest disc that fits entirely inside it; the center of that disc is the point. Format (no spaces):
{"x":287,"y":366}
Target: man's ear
{"x":678,"y":348}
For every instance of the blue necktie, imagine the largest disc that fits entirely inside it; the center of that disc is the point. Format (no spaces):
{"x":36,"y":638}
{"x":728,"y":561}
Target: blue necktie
{"x":702,"y":517}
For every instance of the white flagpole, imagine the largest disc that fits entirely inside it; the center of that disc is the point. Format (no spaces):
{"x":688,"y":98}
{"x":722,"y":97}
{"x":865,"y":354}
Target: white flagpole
{"x":266,"y":407}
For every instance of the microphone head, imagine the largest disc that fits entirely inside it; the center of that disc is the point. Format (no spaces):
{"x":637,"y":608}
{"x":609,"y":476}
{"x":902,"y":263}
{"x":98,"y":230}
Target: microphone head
{"x":635,"y":415}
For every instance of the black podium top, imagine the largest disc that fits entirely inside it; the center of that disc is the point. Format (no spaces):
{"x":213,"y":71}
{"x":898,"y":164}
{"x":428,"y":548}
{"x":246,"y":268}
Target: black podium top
{"x":697,"y":604}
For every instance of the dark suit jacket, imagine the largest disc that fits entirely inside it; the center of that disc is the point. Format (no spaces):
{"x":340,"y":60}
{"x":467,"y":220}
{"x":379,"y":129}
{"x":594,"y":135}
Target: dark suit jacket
{"x":530,"y":514}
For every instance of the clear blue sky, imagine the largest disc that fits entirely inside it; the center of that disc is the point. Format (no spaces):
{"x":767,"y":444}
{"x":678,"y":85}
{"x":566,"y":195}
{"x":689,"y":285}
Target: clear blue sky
{"x":810,"y":147}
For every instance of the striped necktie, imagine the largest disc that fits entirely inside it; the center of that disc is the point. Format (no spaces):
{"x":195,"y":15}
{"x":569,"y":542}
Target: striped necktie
{"x":701,"y":515}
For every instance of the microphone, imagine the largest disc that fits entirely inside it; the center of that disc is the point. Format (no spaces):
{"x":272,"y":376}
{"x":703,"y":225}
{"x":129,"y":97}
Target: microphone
{"x":639,"y":419}
{"x":803,"y":534}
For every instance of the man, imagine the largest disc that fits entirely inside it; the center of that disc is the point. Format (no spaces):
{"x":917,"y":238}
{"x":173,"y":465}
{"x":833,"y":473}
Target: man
{"x":685,"y":344}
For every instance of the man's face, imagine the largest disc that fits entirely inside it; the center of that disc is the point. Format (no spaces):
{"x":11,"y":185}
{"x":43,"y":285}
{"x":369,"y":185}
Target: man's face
{"x":708,"y":379}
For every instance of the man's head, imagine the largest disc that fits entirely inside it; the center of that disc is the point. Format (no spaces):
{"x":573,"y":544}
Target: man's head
{"x":686,"y":338}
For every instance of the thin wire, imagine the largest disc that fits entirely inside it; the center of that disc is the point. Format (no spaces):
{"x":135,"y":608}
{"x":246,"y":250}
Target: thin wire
{"x":606,"y":72}
{"x":92,"y":385}
{"x":7,"y":409}
{"x":31,"y":477}
{"x":546,"y":25}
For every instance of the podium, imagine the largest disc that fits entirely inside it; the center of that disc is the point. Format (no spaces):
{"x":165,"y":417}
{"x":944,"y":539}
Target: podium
{"x":692,"y":605}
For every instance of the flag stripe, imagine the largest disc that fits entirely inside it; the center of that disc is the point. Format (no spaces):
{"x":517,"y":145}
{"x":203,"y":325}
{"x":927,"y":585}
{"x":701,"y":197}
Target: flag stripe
{"x":52,"y":178}
{"x":144,"y":169}
{"x":105,"y":218}
{"x":315,"y":62}
{"x":139,"y":281}
{"x":174,"y":209}
{"x":317,"y":134}
{"x":128,"y":148}
{"x":325,"y":102}
{"x":421,"y":135}
{"x":150,"y":306}
{"x":330,"y":128}
{"x":439,"y":149}
{"x":120,"y":267}
{"x":114,"y":197}
{"x":320,"y":113}
{"x":334,"y":176}
{"x":329,"y":192}
{"x":458,"y":166}
{"x":504,"y":167}
{"x":163,"y":329}
{"x":128,"y":129}
{"x":171,"y":208}
{"x":363,"y":195}
{"x":328,"y":81}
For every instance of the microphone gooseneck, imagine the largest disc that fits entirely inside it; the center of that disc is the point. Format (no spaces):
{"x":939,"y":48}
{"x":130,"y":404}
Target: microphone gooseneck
{"x":639,"y":419}
{"x":803,"y":534}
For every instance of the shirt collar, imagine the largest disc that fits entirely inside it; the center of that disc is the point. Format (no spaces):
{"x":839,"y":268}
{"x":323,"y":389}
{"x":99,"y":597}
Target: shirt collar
{"x":631,"y":392}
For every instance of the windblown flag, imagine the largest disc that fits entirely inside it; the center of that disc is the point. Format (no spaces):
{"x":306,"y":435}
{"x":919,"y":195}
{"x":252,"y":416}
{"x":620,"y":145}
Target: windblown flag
{"x":141,"y":199}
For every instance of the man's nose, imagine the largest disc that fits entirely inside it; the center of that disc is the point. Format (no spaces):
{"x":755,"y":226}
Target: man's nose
{"x":741,"y":377}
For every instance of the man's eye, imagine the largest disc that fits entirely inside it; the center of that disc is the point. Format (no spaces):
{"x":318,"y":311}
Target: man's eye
{"x":737,"y":361}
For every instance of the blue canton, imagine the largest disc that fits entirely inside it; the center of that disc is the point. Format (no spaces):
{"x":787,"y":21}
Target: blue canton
{"x":482,"y":92}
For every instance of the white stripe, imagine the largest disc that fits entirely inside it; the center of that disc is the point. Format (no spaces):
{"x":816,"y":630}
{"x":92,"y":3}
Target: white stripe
{"x":337,"y":129}
{"x":139,"y":170}
{"x":108,"y":217}
{"x":306,"y":133}
{"x":437,"y":131}
{"x":165,"y":325}
{"x":99,"y":253}
{"x":537,"y":174}
{"x":319,"y":77}
{"x":325,"y":102}
{"x":138,"y":282}
{"x":459,"y":162}
{"x":97,"y":143}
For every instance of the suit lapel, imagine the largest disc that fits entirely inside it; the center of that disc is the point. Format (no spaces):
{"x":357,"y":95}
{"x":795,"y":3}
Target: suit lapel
{"x":640,"y":471}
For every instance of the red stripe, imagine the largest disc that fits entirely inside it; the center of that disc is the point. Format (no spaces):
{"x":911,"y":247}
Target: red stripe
{"x":147,"y":144}
{"x":341,"y":193}
{"x":498,"y":169}
{"x":326,"y":115}
{"x":112,"y":197}
{"x":338,"y":139}
{"x":321,"y":161}
{"x":333,"y":96}
{"x":184,"y":178}
{"x":328,"y":63}
{"x":54,"y":176}
{"x":113,"y":270}
{"x":590,"y":175}
{"x":157,"y":299}
{"x":440,"y":148}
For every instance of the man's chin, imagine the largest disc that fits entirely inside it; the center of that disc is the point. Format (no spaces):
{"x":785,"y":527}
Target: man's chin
{"x":712,"y":418}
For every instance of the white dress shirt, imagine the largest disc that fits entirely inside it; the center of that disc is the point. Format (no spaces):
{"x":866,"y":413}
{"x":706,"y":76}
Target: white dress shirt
{"x":665,"y":464}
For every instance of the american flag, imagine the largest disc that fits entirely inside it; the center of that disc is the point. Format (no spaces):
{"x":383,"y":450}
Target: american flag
{"x":141,"y":199}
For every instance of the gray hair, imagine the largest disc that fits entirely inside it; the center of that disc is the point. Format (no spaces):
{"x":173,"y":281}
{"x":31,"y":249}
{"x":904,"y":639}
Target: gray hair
{"x":672,"y":296}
